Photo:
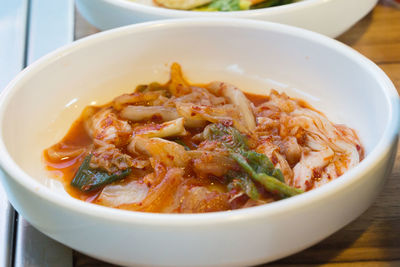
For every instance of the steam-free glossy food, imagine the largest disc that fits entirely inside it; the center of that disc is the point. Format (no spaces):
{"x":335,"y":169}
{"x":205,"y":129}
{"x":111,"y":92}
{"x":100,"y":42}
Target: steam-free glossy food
{"x":220,"y":5}
{"x":183,"y":148}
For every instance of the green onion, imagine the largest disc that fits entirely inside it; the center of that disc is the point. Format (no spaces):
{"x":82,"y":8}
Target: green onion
{"x":258,"y":166}
{"x":244,"y":182}
{"x":87,"y":179}
{"x":271,"y":184}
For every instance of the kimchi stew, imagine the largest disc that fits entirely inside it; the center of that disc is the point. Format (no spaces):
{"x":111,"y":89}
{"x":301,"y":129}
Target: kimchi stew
{"x":184,"y":148}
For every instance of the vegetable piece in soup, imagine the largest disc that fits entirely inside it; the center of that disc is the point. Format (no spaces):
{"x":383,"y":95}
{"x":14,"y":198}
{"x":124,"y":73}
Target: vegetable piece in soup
{"x":185,"y":148}
{"x":219,"y":5}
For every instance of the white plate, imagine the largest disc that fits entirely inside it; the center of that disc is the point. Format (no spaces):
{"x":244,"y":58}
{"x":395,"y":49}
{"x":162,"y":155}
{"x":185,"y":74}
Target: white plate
{"x":329,"y":17}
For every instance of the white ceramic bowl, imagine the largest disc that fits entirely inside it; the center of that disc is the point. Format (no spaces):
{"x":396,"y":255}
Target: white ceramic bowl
{"x":39,"y":105}
{"x":329,"y":17}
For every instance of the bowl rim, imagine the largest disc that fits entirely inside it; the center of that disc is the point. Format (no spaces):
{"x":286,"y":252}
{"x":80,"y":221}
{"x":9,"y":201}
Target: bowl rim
{"x":354,"y":175}
{"x":156,"y":10}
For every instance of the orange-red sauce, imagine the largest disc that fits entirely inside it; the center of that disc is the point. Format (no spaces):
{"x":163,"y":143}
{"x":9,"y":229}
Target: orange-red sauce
{"x":77,"y":136}
{"x":67,"y":167}
{"x":256,"y":99}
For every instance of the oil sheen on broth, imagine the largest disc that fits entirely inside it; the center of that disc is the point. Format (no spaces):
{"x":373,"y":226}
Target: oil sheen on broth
{"x":185,"y":148}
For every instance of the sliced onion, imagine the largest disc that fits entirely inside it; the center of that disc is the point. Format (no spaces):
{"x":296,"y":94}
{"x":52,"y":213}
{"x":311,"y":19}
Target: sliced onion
{"x":115,"y":195}
{"x":56,"y":153}
{"x":136,"y":98}
{"x":167,"y":152}
{"x":141,"y":113}
{"x":166,"y":129}
{"x":237,"y":98}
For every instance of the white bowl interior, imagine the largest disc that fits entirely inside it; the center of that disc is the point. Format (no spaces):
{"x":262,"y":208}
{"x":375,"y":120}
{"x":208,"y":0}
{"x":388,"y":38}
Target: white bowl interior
{"x":52,"y":95}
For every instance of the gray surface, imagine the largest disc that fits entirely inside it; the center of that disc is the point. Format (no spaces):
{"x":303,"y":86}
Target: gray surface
{"x":51,"y":25}
{"x":13,"y":15}
{"x":30,"y":29}
{"x":6,"y":229}
{"x":33,"y":249}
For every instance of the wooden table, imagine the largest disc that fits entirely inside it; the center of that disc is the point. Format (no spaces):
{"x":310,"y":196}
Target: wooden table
{"x":374,"y":238}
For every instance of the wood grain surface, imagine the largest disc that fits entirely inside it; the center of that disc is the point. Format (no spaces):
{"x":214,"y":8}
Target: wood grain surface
{"x":374,"y":238}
